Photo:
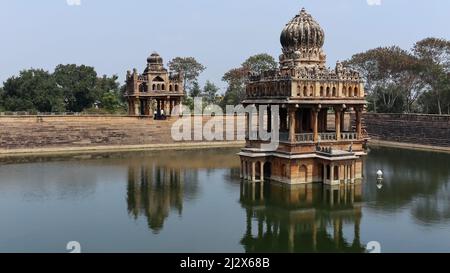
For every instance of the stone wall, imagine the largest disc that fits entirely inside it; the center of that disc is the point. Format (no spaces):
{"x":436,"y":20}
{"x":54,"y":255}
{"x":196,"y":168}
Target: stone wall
{"x":432,"y":130}
{"x":33,"y":132}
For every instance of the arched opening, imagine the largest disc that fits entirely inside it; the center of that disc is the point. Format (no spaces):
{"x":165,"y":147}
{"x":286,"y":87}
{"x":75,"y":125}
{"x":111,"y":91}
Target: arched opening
{"x":163,"y":87}
{"x":311,"y":91}
{"x":143,"y":87}
{"x":356,"y":91}
{"x":170,"y":88}
{"x":334,"y":92}
{"x":328,"y":92}
{"x":154,"y":87}
{"x":321,"y":91}
{"x":303,"y":173}
{"x":305,"y":91}
{"x":176,"y":87}
{"x":350,"y":92}
{"x":158,"y":87}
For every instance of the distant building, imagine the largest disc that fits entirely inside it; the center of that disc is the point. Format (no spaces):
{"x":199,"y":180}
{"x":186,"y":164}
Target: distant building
{"x":155,"y":91}
{"x":321,"y":132}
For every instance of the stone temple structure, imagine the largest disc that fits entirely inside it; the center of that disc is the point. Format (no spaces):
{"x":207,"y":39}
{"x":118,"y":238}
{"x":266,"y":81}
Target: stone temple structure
{"x":155,"y":90}
{"x":322,"y":138}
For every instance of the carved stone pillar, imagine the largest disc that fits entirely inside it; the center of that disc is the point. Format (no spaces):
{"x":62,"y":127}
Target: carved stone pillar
{"x":136,"y":107}
{"x":291,"y":124}
{"x":331,"y":174}
{"x":167,"y":107}
{"x":247,"y":125}
{"x":358,"y":113}
{"x":337,"y":122}
{"x":151,"y":110}
{"x":130,"y":108}
{"x":315,"y":113}
{"x":258,"y":122}
{"x":261,"y":170}
{"x":253,"y":171}
{"x":242,"y":169}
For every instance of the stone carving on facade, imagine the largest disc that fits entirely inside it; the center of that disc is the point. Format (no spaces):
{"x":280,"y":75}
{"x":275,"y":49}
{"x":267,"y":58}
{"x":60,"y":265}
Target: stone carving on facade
{"x":308,"y":95}
{"x":303,"y":60}
{"x":155,"y":92}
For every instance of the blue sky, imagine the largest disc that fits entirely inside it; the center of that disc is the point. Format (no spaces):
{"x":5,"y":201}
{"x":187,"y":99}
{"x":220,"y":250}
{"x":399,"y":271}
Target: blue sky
{"x":117,"y":35}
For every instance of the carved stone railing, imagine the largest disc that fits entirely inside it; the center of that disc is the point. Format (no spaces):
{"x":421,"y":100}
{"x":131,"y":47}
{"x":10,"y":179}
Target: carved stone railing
{"x":309,"y":137}
{"x":327,"y":137}
{"x":349,"y":136}
{"x":299,"y":138}
{"x":304,"y":137}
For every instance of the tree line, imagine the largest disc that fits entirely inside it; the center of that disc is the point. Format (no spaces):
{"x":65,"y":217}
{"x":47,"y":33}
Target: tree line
{"x":70,"y":88}
{"x":407,"y":81}
{"x":396,"y":81}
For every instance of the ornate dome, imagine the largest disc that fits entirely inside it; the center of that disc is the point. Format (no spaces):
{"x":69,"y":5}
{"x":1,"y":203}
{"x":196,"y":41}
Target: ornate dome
{"x":154,"y":59}
{"x":301,"y":33}
{"x":154,"y":63}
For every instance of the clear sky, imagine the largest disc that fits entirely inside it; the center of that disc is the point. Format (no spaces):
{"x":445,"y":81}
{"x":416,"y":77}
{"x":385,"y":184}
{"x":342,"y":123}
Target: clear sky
{"x":117,"y":35}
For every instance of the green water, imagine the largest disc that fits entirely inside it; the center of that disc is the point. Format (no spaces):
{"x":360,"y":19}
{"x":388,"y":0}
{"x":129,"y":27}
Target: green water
{"x":194,"y":201}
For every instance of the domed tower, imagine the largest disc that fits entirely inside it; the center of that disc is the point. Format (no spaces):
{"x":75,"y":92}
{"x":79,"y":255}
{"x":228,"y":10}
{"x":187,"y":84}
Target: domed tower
{"x":154,"y":63}
{"x":155,"y":92}
{"x":316,"y":113}
{"x":302,"y":40}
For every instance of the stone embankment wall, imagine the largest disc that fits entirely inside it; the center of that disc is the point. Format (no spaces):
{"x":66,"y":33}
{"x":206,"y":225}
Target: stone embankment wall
{"x":40,"y":132}
{"x":431,"y":130}
{"x":29,"y":133}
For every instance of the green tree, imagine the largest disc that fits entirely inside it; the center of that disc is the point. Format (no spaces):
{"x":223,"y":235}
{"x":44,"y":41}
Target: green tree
{"x":210,"y":93}
{"x":112,"y":99}
{"x":237,"y":78}
{"x":2,"y":107}
{"x":434,"y":55}
{"x":189,"y":67}
{"x":78,"y":84}
{"x":110,"y":102}
{"x":392,"y":78}
{"x":195,"y":90}
{"x":259,"y":63}
{"x":33,"y":90}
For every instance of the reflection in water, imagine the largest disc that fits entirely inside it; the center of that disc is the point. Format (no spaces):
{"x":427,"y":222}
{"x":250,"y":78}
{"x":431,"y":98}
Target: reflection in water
{"x":105,"y":194}
{"x":154,"y":190}
{"x":161,"y":183}
{"x":415,"y":179}
{"x":297,"y":219}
